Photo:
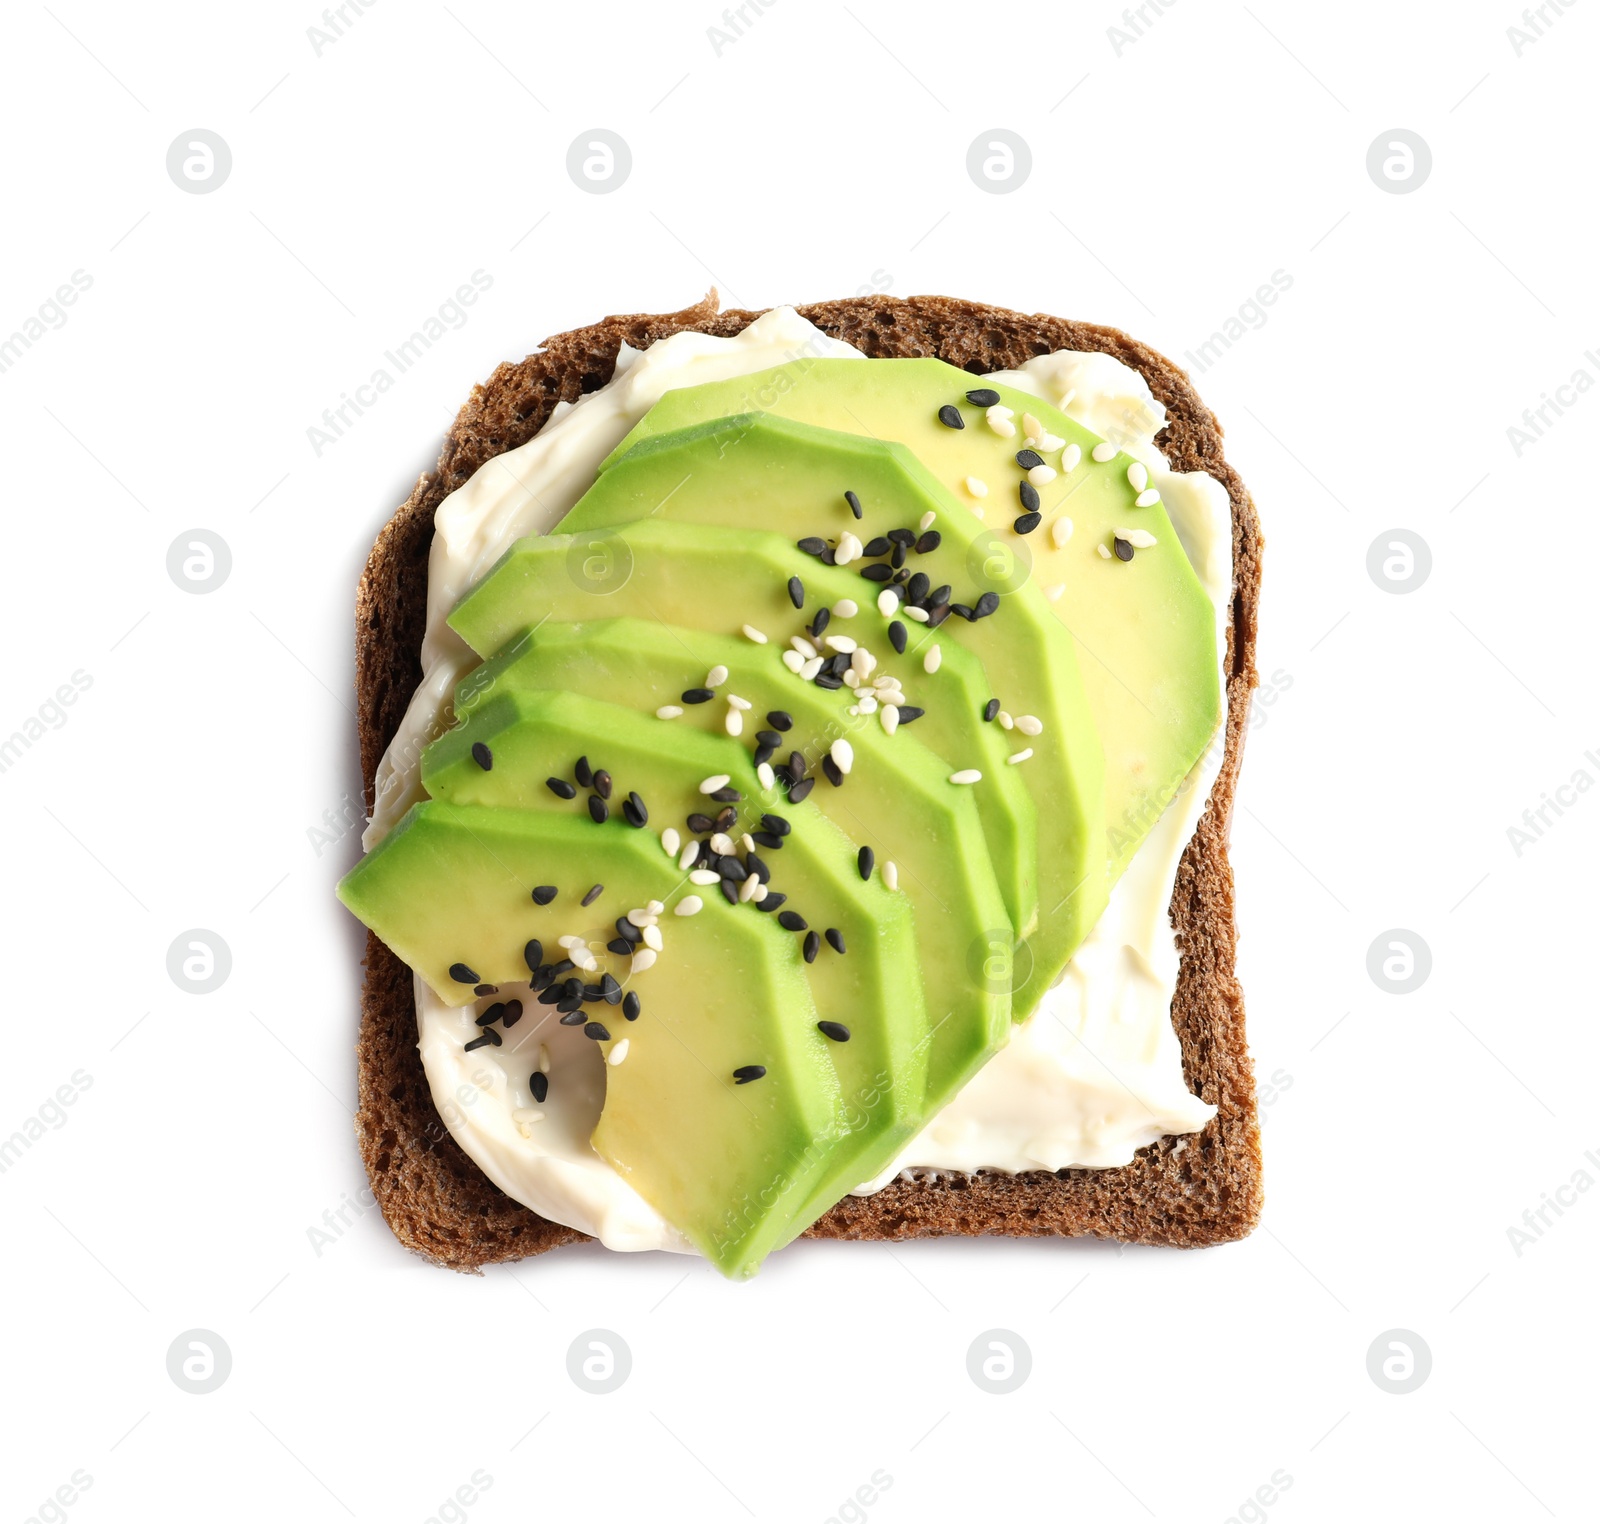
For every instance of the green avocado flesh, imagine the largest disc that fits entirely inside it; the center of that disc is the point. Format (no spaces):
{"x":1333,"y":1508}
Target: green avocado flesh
{"x":756,"y":469}
{"x":686,"y":655}
{"x":873,"y":989}
{"x":1145,"y":629}
{"x":451,"y":884}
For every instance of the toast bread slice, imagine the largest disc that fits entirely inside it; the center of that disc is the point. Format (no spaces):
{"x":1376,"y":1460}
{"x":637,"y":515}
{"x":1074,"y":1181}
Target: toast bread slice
{"x":1180,"y":1191}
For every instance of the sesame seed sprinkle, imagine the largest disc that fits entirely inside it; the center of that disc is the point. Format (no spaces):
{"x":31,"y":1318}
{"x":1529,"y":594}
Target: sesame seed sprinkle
{"x":811,"y":947}
{"x":690,"y":904}
{"x":1138,"y":477}
{"x":889,"y":717}
{"x":1103,"y":451}
{"x":977,"y":486}
{"x":643,"y":959}
{"x":897,"y":637}
{"x":747,"y":1072}
{"x":888,"y":602}
{"x":670,"y":840}
{"x":733,"y":722}
{"x":834,"y":1031}
{"x":797,"y":592}
{"x":864,"y":862}
{"x":846,"y":608}
{"x":1147,"y":499}
{"x":1124,"y":551}
{"x":913,"y":612}
{"x":891,"y":876}
{"x":598,"y":810}
{"x":618,"y":1053}
{"x":967,"y":775}
{"x":750,"y":632}
{"x":930,"y":662}
{"x":583,"y":772}
{"x":669,"y":711}
{"x":854,"y":502}
{"x":1041,"y":474}
{"x":592,"y":896}
{"x":843,"y":754}
{"x":716,"y":677}
{"x":462,"y":974}
{"x":983,"y":396}
{"x":927,"y":521}
{"x":696,"y":695}
{"x":1020,"y":756}
{"x":1105,"y":552}
{"x":1030,"y":724}
{"x":482,"y":755}
{"x":1061,"y":531}
{"x":1026,"y":523}
{"x":544,"y":894}
{"x":713,"y":783}
{"x":950,"y":416}
{"x":1071,"y":456}
{"x":561,"y":788}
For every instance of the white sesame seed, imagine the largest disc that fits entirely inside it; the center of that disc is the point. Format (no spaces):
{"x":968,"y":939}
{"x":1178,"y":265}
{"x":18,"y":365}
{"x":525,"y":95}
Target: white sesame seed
{"x":641,"y":960}
{"x":670,"y":840}
{"x":704,"y":876}
{"x":1020,"y":756}
{"x":687,"y":856}
{"x":1030,"y":724}
{"x":1041,"y":474}
{"x":998,"y":410}
{"x":1070,"y":457}
{"x":1004,"y":427}
{"x":1105,"y":552}
{"x":747,"y":890}
{"x":843,"y":755}
{"x":920,"y":616}
{"x":977,"y":512}
{"x":618,"y":1052}
{"x":1054,"y":591}
{"x":889,"y":718}
{"x":967,"y":775}
{"x":713,"y":783}
{"x":1147,"y":499}
{"x":1103,"y":451}
{"x":639,"y":916}
{"x":716,"y":677}
{"x":1061,"y":531}
{"x":888,"y":602}
{"x":765,"y":775}
{"x":655,"y":907}
{"x":891,"y":876}
{"x":543,"y":1063}
{"x":852,"y":678}
{"x":803,"y":646}
{"x":862,"y":662}
{"x":849,"y":549}
{"x":1138,"y":477}
{"x":750,"y":632}
{"x":733,"y":722}
{"x":668,"y":712}
{"x":1140,"y":539}
{"x":652,"y":937}
{"x":840,"y":643}
{"x":1032,"y":429}
{"x":690,"y":904}
{"x":846,"y":608}
{"x":737,"y":702}
{"x":977,"y":486}
{"x":1006,"y":722}
{"x":722,"y":843}
{"x":810,"y":669}
{"x":584,"y":959}
{"x":1051,"y":442}
{"x":567,"y":943}
{"x":927,"y":521}
{"x":868,"y":705}
{"x":759,"y":894}
{"x":794,"y":661}
{"x":930,"y":662}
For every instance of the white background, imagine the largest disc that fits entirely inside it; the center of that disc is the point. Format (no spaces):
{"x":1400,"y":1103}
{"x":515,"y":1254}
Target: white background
{"x":820,"y":153}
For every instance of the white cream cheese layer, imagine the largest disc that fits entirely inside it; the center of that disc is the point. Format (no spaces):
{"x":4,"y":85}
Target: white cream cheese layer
{"x":1092,"y":1076}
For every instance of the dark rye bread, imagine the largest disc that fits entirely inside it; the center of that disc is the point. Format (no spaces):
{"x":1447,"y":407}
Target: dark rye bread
{"x":1185,"y":1192}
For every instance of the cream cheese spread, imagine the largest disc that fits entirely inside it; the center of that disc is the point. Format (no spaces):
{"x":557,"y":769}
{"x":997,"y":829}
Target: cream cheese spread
{"x":1095,"y":1073}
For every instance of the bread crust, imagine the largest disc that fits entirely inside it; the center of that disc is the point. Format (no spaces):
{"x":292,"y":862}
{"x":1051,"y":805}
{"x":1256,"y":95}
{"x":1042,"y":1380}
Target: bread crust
{"x":1202,"y":1189}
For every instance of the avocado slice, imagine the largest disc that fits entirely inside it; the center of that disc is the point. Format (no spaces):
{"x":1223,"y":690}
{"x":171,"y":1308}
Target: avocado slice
{"x":896,"y":801}
{"x":1145,"y":628}
{"x":870,"y":994}
{"x":780,"y":474}
{"x":703,"y":578}
{"x":451,"y":885}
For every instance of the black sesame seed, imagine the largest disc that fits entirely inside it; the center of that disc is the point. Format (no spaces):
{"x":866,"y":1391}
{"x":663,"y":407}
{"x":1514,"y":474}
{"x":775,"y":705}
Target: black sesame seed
{"x":494,"y":1037}
{"x":991,"y":709}
{"x":767,"y":839}
{"x":700,"y":824}
{"x":480,"y":1041}
{"x":828,"y":558}
{"x":906,"y":537}
{"x":771,"y":902}
{"x":898,"y":559}
{"x":602,"y":783}
{"x":594,"y":1030}
{"x":929,"y":542}
{"x":797,"y":765}
{"x":792,"y":920}
{"x":864,"y":862}
{"x":820,"y":623}
{"x":829,"y":681}
{"x":950,"y":416}
{"x":1026,"y":523}
{"x":986,"y":605}
{"x":564,"y":966}
{"x":463,"y":975}
{"x":592,"y":896}
{"x":591,"y":992}
{"x":726,"y":795}
{"x":917,"y":587}
{"x":572,"y":1016}
{"x":630,"y":1006}
{"x":835,"y":938}
{"x":811,"y":947}
{"x":757,"y":867}
{"x":627,"y":930}
{"x":597,"y":810}
{"x":487,"y":989}
{"x":779,"y":719}
{"x":983,"y":396}
{"x":552,"y":995}
{"x":878,"y":545}
{"x":937,"y":614}
{"x":854,"y":502}
{"x":561,"y":788}
{"x":910,"y":714}
{"x":493,"y":1014}
{"x":726,"y":818}
{"x":482,"y":755}
{"x":731,"y":868}
{"x":513,"y":1014}
{"x":763,"y":754}
{"x":811,"y":545}
{"x":897,"y":637}
{"x":830,"y":770}
{"x":1123,"y":548}
{"x":776,"y":824}
{"x":1028,"y":459}
{"x":743,"y":1075}
{"x":583,"y":772}
{"x":769,"y":738}
{"x":696,"y":695}
{"x":963,"y":609}
{"x":634,"y":808}
{"x":730,"y":891}
{"x":797,"y":592}
{"x":610,"y":990}
{"x":877,"y":572}
{"x":1028,"y":495}
{"x":798,"y":791}
{"x":834,"y":1031}
{"x":544,"y":894}
{"x":539,"y":1084}
{"x":619,"y":946}
{"x":940,"y":594}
